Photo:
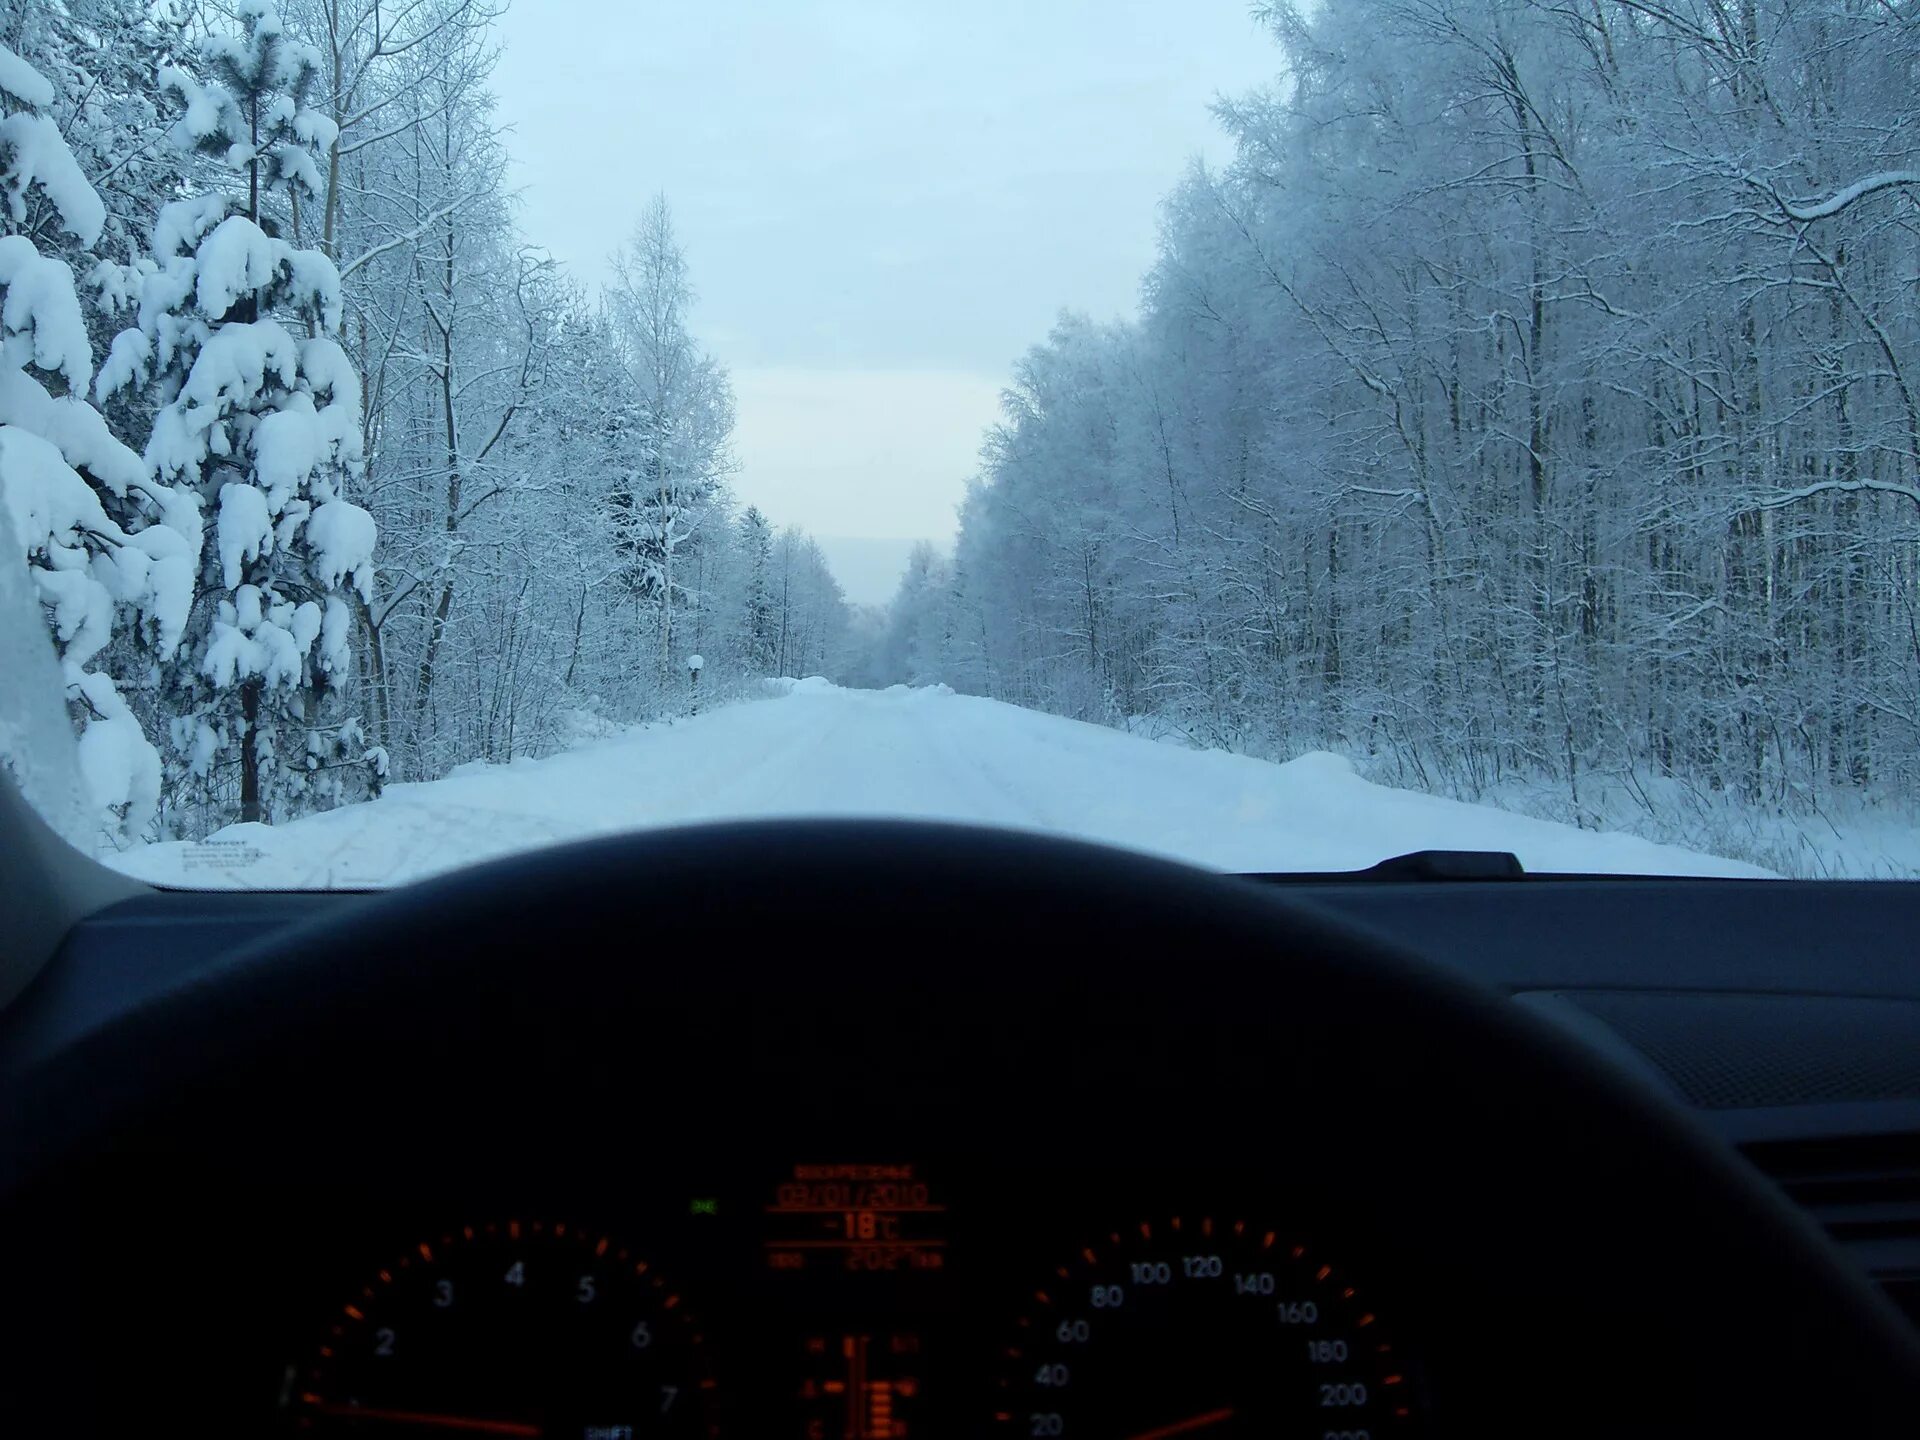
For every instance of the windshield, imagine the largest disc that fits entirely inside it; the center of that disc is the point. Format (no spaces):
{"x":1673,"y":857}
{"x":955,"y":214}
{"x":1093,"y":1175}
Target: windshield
{"x":1278,"y":439}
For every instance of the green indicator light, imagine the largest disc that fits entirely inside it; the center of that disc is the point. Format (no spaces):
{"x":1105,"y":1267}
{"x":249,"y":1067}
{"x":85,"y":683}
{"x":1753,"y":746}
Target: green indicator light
{"x":705,"y":1205}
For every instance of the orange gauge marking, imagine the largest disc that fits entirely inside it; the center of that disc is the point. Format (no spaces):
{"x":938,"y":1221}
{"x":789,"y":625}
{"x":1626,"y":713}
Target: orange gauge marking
{"x":1266,"y":1241}
{"x":1347,"y":1294}
{"x":1146,"y":1231}
{"x":1042,"y":1297}
{"x":1393,"y":1379}
{"x":1088,"y":1255}
{"x":1299,"y":1252}
{"x":1206,"y":1226}
{"x":1182,"y":1427}
{"x":1239,"y":1228}
{"x":429,"y":1420}
{"x":1176,"y":1224}
{"x":1062,"y":1273}
{"x":317,"y":1403}
{"x":1323,"y":1272}
{"x":1366,"y":1319}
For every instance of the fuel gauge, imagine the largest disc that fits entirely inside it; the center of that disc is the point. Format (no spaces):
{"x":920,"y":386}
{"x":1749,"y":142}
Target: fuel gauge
{"x":861,"y":1386}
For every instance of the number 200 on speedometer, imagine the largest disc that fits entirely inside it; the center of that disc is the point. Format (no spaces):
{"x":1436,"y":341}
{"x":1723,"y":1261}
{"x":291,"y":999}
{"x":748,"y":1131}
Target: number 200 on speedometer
{"x":1219,"y":1330}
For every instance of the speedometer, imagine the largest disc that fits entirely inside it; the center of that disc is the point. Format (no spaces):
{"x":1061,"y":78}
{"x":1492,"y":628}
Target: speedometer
{"x":1213,"y":1329}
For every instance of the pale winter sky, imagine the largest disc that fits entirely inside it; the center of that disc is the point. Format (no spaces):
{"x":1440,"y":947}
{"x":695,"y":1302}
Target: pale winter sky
{"x":884,"y":203}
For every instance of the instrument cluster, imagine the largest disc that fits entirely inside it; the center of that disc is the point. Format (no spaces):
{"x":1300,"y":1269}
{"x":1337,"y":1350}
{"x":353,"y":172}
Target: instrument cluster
{"x":864,"y":1301}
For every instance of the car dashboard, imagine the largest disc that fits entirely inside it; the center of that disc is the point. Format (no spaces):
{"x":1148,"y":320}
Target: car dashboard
{"x":825,"y":1190}
{"x":816,"y":1298}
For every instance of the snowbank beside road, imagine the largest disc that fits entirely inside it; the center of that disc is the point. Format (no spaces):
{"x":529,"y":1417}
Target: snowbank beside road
{"x":817,"y":750}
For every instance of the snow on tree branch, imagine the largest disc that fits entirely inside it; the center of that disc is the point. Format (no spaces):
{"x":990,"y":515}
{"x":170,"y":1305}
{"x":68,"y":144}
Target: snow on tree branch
{"x":1808,"y":211}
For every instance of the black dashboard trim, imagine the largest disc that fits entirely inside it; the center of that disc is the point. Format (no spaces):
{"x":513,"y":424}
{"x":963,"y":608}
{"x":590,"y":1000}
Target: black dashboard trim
{"x":150,"y":1028}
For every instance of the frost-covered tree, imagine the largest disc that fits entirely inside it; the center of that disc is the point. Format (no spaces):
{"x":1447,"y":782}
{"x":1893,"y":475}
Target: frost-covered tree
{"x":102,"y":538}
{"x":1528,"y":409}
{"x":675,"y":430}
{"x":914,"y":647}
{"x":100,"y":57}
{"x":758,"y":632}
{"x":811,"y":618}
{"x":545,"y":467}
{"x":262,"y":422}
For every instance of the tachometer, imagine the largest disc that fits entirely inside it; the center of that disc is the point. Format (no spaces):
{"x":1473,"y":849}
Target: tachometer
{"x":1213,"y":1329}
{"x":519,"y":1329}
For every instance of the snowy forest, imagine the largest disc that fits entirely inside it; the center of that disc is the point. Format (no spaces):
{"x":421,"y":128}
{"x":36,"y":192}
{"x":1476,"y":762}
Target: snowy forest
{"x":1530,"y":410}
{"x":325,"y":476}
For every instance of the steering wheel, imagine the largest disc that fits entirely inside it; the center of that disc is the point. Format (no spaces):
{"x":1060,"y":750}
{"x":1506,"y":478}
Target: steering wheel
{"x":1591,"y":1262}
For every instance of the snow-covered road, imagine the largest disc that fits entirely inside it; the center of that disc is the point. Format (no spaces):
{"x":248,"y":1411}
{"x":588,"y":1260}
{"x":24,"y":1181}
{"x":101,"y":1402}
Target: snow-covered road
{"x":820,"y":750}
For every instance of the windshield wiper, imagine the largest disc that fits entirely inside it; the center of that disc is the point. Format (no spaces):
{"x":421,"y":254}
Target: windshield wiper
{"x":1418,"y":865}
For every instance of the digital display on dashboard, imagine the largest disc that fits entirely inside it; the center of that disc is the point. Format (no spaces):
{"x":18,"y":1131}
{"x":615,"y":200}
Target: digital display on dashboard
{"x":856,"y":1217}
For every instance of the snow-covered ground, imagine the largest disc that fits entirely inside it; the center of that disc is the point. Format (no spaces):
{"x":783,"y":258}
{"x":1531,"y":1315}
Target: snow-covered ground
{"x":819,"y":750}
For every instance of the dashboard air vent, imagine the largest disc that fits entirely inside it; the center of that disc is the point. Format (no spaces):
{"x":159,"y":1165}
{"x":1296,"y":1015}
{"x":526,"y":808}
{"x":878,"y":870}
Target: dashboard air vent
{"x":1865,"y":1190}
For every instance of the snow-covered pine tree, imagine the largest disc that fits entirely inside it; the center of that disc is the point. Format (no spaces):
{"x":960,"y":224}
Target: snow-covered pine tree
{"x":263,"y":424}
{"x":100,"y":56}
{"x":103,"y":540}
{"x":758,"y":623}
